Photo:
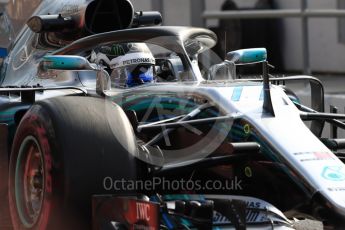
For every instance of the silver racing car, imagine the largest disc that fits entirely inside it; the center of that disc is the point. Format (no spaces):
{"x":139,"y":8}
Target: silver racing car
{"x":126,"y":124}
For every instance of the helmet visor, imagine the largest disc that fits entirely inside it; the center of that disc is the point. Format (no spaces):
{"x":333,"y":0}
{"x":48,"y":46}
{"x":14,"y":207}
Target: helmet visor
{"x":130,"y":76}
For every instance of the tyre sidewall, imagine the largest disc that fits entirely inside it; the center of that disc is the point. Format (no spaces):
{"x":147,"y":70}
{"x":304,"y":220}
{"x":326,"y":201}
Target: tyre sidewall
{"x":33,"y":124}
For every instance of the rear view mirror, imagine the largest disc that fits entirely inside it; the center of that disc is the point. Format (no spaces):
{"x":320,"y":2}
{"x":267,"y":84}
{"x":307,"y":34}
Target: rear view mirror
{"x":50,"y":65}
{"x":65,"y":62}
{"x":247,"y":56}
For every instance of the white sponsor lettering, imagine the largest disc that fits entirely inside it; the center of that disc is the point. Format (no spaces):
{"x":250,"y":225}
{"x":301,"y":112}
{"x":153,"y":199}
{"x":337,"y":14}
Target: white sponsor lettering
{"x":143,"y":211}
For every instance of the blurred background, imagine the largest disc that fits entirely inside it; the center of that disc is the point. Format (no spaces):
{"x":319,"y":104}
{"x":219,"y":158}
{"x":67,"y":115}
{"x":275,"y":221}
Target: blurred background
{"x":297,"y":40}
{"x":282,"y":36}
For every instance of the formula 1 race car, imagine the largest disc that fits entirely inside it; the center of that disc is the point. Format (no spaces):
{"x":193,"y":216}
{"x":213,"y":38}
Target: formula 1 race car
{"x":124,"y":124}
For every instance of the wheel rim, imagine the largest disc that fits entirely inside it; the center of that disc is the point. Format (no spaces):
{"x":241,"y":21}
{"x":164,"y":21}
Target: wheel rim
{"x":29,"y":181}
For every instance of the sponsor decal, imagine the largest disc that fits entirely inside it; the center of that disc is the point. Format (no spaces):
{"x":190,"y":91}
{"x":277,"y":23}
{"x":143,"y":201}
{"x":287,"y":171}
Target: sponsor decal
{"x":138,"y":61}
{"x":333,"y":173}
{"x":143,"y":210}
{"x":251,"y":204}
{"x":136,"y":214}
{"x":132,"y":59}
{"x":251,"y":215}
{"x":314,"y":156}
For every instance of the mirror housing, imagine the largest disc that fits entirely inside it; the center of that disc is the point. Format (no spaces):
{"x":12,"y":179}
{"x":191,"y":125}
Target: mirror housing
{"x":247,"y":56}
{"x":65,"y":62}
{"x":52,"y":64}
{"x":254,"y":56}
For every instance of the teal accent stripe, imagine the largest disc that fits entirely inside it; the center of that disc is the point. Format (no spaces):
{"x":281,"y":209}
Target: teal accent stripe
{"x":236,"y":95}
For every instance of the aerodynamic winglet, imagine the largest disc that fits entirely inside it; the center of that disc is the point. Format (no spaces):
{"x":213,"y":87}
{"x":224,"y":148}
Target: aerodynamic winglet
{"x":267,"y":106}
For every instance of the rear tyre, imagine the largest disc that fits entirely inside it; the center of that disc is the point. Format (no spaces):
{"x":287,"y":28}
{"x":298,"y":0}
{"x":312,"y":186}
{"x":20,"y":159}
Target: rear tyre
{"x":63,"y":150}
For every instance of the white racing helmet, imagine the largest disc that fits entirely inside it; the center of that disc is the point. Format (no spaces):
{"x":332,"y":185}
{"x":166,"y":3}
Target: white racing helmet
{"x":130,"y":64}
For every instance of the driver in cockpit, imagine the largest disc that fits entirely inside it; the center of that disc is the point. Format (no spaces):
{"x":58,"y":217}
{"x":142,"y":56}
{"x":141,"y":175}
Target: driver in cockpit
{"x":129,"y":64}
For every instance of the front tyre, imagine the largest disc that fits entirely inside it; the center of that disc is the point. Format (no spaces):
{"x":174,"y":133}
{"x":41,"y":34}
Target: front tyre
{"x":62,"y":151}
{"x":30,"y":184}
{"x":30,"y":188}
